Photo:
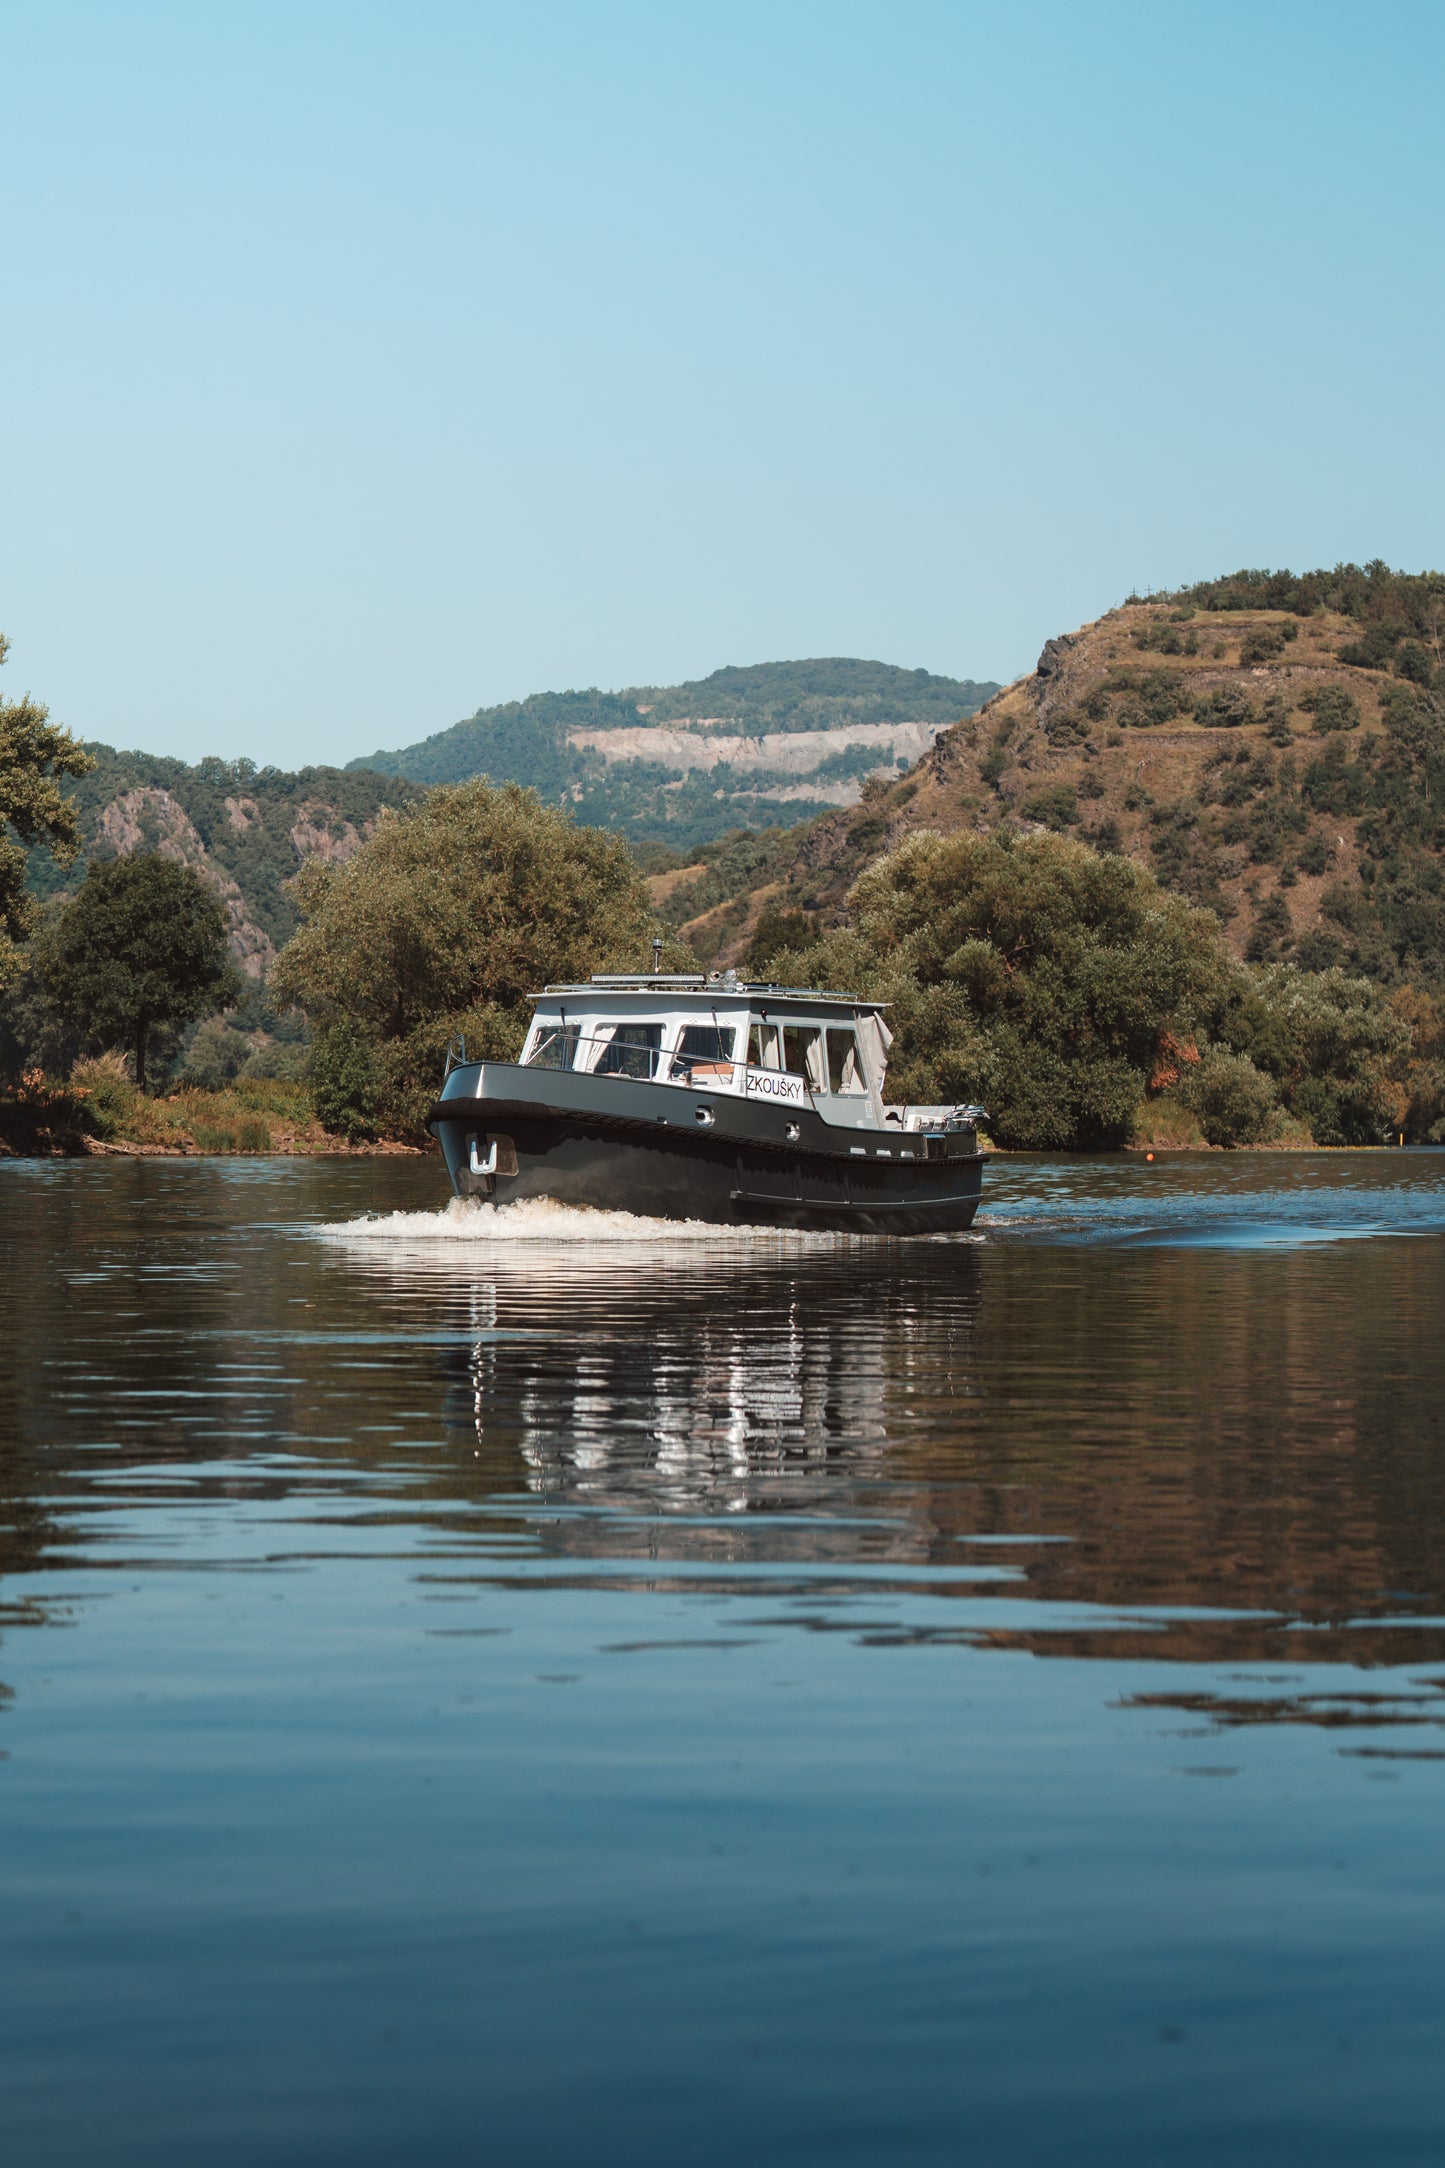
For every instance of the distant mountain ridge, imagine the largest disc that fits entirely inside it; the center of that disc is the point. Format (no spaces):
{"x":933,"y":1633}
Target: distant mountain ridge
{"x":767,"y":745}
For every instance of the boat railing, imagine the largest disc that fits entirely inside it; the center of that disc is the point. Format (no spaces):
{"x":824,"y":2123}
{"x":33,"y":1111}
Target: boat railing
{"x":637,"y":1059}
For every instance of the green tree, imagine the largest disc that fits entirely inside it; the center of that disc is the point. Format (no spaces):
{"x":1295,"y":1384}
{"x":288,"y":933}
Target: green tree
{"x":1051,"y":983}
{"x":1234,"y":1103}
{"x":448,"y":920}
{"x":1028,"y":972}
{"x":34,"y":754}
{"x":1329,"y":1042}
{"x":1334,"y":707}
{"x":141,"y":945}
{"x":346,"y":1082}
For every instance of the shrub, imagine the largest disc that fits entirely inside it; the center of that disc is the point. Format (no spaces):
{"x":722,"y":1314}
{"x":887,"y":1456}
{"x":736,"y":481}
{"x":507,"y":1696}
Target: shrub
{"x":1056,"y":805}
{"x":1334,"y":707}
{"x":110,"y":1095}
{"x":1329,"y":1041}
{"x":777,"y":930}
{"x":39,"y":1116}
{"x":1265,"y":642}
{"x":1233,"y":1103}
{"x":215,"y":1055}
{"x":1070,"y":726}
{"x":346,"y":1081}
{"x":281,"y":1061}
{"x":1272,"y":925}
{"x":1151,"y":697}
{"x":998,"y":757}
{"x":1226,"y":709}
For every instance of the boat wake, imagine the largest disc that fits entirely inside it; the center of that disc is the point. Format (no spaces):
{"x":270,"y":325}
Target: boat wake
{"x":540,"y":1222}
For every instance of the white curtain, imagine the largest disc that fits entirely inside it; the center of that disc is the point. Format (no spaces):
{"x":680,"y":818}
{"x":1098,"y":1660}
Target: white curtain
{"x":876,"y":1039}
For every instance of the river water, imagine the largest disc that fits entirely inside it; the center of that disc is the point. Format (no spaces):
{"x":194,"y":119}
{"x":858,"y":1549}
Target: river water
{"x":559,"y":1689}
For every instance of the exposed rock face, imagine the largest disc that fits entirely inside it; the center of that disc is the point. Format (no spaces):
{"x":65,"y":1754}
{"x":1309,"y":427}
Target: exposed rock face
{"x":1055,"y":654}
{"x":779,"y":752}
{"x":150,"y":819}
{"x":316,"y":833}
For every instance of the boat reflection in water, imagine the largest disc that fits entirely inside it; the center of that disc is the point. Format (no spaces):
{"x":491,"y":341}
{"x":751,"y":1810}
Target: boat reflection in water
{"x":759,"y":1389}
{"x":1231,"y":1456}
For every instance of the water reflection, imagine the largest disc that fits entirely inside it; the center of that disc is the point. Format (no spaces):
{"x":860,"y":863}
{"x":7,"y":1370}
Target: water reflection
{"x":719,"y":1407}
{"x":746,"y":1699}
{"x":1239,"y":1449}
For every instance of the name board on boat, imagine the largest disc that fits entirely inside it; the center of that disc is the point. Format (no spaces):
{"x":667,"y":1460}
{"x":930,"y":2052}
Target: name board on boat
{"x":775,"y":1084}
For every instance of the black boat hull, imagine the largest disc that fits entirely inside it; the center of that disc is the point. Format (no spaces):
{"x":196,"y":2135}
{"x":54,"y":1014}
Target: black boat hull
{"x":628,"y":1146}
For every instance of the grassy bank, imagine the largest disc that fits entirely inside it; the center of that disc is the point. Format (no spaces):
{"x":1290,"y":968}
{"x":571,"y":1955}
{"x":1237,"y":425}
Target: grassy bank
{"x":99,"y":1110}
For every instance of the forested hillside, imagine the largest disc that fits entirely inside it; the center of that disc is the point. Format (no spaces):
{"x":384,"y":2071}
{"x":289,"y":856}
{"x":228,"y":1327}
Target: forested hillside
{"x":676,"y":766}
{"x":1270,"y":745}
{"x":245,"y":829}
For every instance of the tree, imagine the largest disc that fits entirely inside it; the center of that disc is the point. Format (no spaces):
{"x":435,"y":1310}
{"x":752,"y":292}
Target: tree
{"x":448,"y":920}
{"x":141,"y":944}
{"x":1234,"y":1103}
{"x":1028,"y":972}
{"x":1061,"y":988}
{"x":345,"y":1081}
{"x":1329,"y":1042}
{"x":34,"y":754}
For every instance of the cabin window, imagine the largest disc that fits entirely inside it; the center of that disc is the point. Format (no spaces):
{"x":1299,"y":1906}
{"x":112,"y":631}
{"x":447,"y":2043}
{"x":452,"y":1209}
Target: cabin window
{"x":803,"y":1054}
{"x":764,"y":1047}
{"x":631,"y":1050}
{"x":555,"y":1048}
{"x":704,"y":1054}
{"x":845,"y":1062}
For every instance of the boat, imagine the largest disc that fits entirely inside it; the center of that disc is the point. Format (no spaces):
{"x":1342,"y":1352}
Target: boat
{"x":703,"y":1096}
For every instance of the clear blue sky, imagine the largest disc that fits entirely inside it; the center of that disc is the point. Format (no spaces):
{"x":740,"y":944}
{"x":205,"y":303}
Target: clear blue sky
{"x":364,"y":364}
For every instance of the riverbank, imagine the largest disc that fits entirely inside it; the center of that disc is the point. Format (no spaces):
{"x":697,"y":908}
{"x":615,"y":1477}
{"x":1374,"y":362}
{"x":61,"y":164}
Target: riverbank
{"x":99,"y":1113}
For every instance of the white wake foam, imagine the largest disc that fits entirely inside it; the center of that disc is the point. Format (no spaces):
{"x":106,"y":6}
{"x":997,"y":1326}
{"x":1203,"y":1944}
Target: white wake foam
{"x":541,"y":1221}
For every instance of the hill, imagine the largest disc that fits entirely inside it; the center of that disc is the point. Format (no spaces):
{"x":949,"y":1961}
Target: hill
{"x":1271,"y":745}
{"x":245,"y":829}
{"x":679,"y":765}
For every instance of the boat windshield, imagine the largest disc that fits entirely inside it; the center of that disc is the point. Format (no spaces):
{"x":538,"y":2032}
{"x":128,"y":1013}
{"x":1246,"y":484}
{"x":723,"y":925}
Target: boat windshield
{"x":630,"y":1050}
{"x":556,"y":1049}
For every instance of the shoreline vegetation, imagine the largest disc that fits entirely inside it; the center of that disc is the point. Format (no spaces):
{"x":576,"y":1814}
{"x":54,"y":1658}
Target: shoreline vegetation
{"x":98,"y":1112}
{"x":1181,"y":888}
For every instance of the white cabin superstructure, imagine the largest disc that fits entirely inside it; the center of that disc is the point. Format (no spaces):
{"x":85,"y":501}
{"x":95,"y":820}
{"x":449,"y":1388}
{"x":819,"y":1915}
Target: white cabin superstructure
{"x":782,"y":1045}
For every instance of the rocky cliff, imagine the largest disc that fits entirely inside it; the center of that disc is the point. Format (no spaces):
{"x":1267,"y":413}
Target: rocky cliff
{"x":245,"y":830}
